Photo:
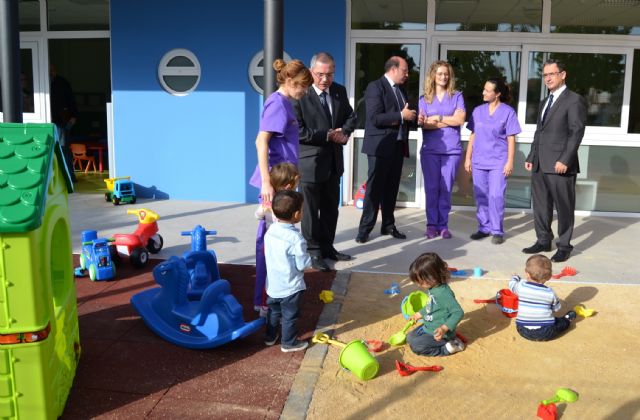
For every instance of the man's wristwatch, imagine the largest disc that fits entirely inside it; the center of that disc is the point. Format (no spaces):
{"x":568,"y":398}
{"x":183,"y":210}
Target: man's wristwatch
{"x":440,"y":118}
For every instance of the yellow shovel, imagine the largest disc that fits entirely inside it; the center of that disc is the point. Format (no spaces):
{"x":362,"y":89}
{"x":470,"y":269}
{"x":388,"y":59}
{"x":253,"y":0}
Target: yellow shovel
{"x":323,"y":338}
{"x":583,"y":311}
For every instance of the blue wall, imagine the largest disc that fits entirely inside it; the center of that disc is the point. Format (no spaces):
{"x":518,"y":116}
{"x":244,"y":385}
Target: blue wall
{"x":201,"y":146}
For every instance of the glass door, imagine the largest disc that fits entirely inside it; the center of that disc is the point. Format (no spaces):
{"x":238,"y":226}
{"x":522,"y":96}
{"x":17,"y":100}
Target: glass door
{"x":31,"y":83}
{"x":368,"y":65}
{"x":473,"y":65}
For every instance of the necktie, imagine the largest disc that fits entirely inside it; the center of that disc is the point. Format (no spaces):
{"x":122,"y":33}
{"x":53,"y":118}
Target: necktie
{"x":399,"y":97}
{"x":400,"y":100}
{"x":546,"y":110}
{"x":325,"y":106}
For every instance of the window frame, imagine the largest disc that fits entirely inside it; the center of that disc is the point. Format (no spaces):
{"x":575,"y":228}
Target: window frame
{"x":445,"y":47}
{"x":593,"y":134}
{"x":544,"y":41}
{"x":349,"y":152}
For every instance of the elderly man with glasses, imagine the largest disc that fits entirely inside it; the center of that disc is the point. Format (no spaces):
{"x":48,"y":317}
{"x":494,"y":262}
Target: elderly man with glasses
{"x":326,"y":120}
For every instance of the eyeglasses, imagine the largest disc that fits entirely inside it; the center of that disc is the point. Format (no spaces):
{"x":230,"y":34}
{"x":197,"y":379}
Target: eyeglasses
{"x":323,"y":75}
{"x":555,"y":73}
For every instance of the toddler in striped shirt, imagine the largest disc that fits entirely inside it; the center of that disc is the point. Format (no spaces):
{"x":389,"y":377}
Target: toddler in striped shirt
{"x":537,"y":302}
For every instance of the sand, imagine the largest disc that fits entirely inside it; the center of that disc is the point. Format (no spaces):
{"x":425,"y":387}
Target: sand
{"x":500,"y":374}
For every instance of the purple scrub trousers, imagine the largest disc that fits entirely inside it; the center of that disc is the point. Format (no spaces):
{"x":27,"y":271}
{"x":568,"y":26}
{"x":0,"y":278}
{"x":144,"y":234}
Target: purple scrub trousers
{"x":259,"y":294}
{"x":439,"y":173}
{"x":489,"y":187}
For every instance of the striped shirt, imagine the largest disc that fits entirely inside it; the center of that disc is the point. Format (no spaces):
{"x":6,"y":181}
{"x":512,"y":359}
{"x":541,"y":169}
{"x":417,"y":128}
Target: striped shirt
{"x":536,"y":303}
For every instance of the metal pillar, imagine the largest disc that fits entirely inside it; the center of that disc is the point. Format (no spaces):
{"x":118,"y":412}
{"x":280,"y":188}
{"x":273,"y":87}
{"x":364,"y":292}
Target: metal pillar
{"x":10,"y":61}
{"x":273,"y":42}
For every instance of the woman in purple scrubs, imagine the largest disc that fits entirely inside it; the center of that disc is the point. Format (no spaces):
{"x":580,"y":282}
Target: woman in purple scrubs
{"x":442,"y":113}
{"x":489,"y":159}
{"x":277,"y":142}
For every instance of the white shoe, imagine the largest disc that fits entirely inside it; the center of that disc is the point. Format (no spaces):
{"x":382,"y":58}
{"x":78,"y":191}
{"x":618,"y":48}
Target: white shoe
{"x":454,"y":346}
{"x":271,"y":341}
{"x":298,"y":346}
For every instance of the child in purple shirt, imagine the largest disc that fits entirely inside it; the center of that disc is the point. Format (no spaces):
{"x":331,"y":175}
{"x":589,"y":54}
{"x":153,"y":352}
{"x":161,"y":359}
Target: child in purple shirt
{"x":489,"y":158}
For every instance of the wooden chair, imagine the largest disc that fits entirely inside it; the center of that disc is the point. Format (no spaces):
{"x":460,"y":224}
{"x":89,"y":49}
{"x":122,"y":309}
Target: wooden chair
{"x":79,"y":152}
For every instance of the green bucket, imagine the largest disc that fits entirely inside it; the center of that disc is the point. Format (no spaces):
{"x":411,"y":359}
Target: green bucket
{"x":356,"y":358}
{"x":413,"y":302}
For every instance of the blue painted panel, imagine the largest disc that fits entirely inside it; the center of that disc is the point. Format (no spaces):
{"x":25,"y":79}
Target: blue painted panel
{"x":185,"y":156}
{"x":208,"y":136}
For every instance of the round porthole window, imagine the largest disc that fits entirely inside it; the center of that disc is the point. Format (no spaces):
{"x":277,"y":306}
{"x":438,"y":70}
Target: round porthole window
{"x":179,"y":72}
{"x":256,"y":70}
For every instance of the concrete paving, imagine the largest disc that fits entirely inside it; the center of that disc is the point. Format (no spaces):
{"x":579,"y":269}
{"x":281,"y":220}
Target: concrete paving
{"x":605,"y":247}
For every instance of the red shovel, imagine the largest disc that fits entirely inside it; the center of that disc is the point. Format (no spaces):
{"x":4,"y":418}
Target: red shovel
{"x":484,"y":301}
{"x":405,"y":369}
{"x":566,"y":271}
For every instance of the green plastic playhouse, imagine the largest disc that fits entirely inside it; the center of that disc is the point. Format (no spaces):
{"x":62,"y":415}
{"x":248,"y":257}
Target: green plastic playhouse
{"x":39,"y":340}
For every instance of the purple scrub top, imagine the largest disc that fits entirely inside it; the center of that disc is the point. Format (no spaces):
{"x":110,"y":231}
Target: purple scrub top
{"x":490,"y":147}
{"x":279,"y":118}
{"x":443,"y":141}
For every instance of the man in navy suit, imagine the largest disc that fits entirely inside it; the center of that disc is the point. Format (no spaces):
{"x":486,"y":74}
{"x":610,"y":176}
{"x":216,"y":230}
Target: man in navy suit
{"x":326,"y":120}
{"x":386,"y":138}
{"x":553,"y":160}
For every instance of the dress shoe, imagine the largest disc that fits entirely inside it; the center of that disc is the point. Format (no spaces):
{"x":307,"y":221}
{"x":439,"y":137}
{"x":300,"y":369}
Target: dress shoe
{"x":362,"y":238}
{"x":537,"y":247}
{"x":445,"y":233}
{"x":479,"y":235}
{"x":394,"y":232}
{"x":497,"y":239}
{"x":561,"y":256}
{"x":319,"y":264}
{"x":337,"y":256}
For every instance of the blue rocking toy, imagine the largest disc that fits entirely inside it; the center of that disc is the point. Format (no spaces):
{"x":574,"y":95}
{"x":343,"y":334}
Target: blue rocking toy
{"x":208,"y":322}
{"x":202,"y":264}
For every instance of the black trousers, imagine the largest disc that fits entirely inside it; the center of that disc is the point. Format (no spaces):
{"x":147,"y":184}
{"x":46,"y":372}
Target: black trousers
{"x":320,"y":214}
{"x":383,"y":183}
{"x":547,"y":190}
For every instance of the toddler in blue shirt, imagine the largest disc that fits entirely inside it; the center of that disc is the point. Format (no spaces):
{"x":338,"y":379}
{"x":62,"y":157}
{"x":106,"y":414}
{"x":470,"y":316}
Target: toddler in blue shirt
{"x":286,"y":256}
{"x":537,"y":302}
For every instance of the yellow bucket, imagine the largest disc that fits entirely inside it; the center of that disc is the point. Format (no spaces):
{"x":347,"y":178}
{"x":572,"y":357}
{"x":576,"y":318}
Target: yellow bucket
{"x":356,"y":358}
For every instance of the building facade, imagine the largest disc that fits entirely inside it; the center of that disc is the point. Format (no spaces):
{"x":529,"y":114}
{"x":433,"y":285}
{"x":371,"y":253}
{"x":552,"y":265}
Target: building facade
{"x":184,"y":80}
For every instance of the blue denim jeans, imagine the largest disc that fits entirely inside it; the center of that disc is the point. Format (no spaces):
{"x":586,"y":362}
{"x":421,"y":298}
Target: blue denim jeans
{"x":287,"y":310}
{"x":423,"y":344}
{"x":545,"y":333}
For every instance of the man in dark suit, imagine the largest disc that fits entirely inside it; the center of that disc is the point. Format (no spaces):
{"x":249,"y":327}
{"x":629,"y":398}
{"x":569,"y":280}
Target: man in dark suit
{"x":326,"y":120}
{"x":386,"y":144}
{"x":553,"y":161}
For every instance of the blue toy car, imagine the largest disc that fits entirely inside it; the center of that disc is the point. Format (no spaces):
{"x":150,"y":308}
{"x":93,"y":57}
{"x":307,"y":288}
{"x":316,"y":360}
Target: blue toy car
{"x":96,"y":257}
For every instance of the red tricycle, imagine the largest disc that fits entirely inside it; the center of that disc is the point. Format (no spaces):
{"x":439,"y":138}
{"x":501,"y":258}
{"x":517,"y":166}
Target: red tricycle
{"x":145,"y":239}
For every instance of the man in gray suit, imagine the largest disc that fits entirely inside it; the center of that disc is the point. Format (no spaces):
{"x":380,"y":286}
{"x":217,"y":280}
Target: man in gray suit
{"x":553,"y":161}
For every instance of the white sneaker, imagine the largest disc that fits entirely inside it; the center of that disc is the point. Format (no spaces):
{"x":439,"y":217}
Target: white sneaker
{"x":271,"y":341}
{"x":454,"y":346}
{"x":298,"y":346}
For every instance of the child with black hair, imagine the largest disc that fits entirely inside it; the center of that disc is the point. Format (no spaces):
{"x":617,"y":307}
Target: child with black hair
{"x":286,"y":256}
{"x":437,"y":334}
